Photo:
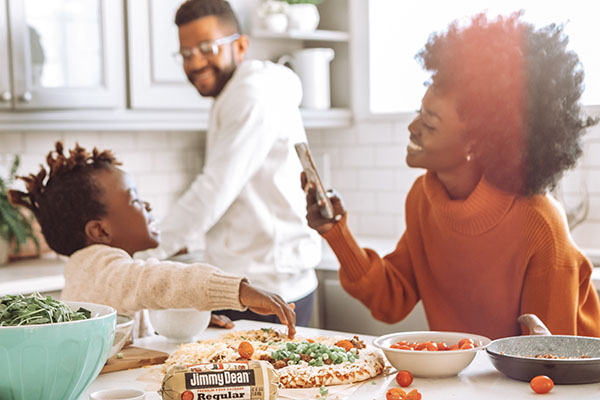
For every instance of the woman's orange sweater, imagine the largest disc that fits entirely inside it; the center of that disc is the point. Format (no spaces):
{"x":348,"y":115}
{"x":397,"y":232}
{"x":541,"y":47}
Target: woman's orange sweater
{"x":476,"y":264}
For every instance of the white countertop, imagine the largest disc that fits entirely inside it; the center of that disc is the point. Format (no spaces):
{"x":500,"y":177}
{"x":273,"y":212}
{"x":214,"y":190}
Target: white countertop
{"x":480,"y":380}
{"x":44,"y":274}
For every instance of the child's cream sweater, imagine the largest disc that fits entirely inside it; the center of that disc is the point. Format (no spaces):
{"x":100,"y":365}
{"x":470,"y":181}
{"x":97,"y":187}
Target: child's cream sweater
{"x":108,"y":275}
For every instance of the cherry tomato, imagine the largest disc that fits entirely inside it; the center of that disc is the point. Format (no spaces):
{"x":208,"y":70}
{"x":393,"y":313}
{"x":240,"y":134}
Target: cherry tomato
{"x":245,"y":350}
{"x":541,"y":384}
{"x":442,"y":346}
{"x":461,"y":342}
{"x":413,"y":395}
{"x":404,"y":378}
{"x":467,"y":345}
{"x":395,"y":394}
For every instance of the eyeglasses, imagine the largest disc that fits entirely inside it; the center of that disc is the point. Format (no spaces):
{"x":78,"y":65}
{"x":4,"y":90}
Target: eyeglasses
{"x":207,"y":49}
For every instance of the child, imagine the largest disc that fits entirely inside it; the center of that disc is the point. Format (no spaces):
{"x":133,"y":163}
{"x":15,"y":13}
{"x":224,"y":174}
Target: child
{"x":89,"y":210}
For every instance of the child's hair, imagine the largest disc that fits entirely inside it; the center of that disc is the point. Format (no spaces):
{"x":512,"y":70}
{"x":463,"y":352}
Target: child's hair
{"x":67,"y":197}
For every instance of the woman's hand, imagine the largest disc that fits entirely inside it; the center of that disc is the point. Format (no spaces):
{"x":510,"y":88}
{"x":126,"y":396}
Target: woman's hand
{"x":266,"y":303}
{"x":313,"y":208}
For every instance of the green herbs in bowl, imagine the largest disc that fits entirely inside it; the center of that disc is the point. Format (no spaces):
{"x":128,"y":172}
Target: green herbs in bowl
{"x":20,"y":310}
{"x":49,"y":352}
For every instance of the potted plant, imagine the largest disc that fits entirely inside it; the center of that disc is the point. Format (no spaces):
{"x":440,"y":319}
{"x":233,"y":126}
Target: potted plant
{"x":303,"y":15}
{"x":15,"y":227}
{"x":273,"y":15}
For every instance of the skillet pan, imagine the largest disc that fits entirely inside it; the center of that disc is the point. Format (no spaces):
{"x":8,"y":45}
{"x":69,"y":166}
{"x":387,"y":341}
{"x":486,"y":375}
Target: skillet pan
{"x":510,"y":355}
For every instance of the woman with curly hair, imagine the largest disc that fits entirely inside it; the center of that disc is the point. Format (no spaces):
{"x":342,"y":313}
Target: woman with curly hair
{"x":484,"y":243}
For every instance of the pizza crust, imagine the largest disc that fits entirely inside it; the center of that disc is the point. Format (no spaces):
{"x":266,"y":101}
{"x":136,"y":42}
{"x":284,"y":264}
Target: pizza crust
{"x":369,"y":365}
{"x":370,"y":362}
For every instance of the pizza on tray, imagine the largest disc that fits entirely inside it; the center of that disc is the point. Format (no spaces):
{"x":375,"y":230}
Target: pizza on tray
{"x":299,"y":362}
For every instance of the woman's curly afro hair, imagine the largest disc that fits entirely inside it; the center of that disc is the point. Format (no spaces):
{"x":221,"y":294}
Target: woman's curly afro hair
{"x":518,"y":90}
{"x":66,"y":197}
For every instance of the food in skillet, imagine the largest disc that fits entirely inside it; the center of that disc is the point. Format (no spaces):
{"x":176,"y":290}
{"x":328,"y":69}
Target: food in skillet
{"x":17,"y":310}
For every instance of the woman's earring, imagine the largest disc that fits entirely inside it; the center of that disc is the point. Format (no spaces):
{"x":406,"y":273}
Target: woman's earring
{"x":468,"y":157}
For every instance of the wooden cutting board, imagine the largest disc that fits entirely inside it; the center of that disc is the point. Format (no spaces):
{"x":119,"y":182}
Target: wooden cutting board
{"x":134,"y":357}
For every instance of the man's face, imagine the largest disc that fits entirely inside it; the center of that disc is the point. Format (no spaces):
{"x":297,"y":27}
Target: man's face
{"x":128,"y":219}
{"x":209,"y":73}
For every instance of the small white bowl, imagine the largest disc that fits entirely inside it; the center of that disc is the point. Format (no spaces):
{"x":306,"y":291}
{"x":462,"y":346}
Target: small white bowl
{"x":430,"y":364}
{"x":118,"y":394}
{"x":179,"y":324}
{"x":122,"y":333}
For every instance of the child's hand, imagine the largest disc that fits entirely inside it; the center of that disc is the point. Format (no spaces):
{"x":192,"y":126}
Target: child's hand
{"x":266,"y":303}
{"x":220,"y":321}
{"x":313,"y":208}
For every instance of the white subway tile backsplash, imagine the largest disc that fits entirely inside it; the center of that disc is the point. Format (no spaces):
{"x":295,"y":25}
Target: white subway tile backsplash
{"x":11,"y":143}
{"x":41,"y":142}
{"x":87,"y":140}
{"x":344,"y":178}
{"x":405,"y":177}
{"x":376,"y":179}
{"x":186,"y":140}
{"x":117,"y":141}
{"x":152,"y":140}
{"x":593,"y":180}
{"x":592,"y":155}
{"x":401,"y":134}
{"x":150,"y":185}
{"x":360,"y":156}
{"x":30,"y":163}
{"x":358,"y":201}
{"x":375,"y":133}
{"x":179,"y":183}
{"x":587,"y":235}
{"x":340,"y":137}
{"x":136,"y":162}
{"x":379,"y":225}
{"x":390,"y":202}
{"x":390,"y":156}
{"x":173,"y":161}
{"x":366,"y":165}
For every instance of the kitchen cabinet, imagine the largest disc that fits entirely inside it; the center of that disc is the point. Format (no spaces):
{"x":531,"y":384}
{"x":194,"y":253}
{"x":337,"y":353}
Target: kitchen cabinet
{"x":158,"y":82}
{"x":61,"y":54}
{"x":339,"y":311}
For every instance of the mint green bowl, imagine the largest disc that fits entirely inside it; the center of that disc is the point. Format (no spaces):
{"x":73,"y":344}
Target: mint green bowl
{"x":55,"y":361}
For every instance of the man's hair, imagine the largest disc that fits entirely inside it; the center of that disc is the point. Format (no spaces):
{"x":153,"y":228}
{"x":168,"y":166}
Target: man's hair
{"x":66,"y":198}
{"x":194,"y":9}
{"x":518,"y":91}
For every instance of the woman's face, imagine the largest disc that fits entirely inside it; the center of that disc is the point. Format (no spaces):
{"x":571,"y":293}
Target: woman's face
{"x":128,"y":219}
{"x":437,"y":135}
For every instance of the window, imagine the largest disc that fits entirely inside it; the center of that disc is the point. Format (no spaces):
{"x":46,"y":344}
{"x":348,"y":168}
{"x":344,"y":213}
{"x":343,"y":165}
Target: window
{"x":399,"y":29}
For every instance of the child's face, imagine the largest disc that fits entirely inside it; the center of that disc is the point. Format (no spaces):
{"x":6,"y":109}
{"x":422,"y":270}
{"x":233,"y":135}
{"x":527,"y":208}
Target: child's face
{"x":128,"y":221}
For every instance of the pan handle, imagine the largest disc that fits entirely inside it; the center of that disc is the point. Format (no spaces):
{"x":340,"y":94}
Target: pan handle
{"x":534,"y":324}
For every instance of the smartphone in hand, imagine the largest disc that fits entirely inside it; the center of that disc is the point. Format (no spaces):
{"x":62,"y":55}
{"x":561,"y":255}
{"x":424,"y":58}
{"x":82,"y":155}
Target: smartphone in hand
{"x":312,"y":175}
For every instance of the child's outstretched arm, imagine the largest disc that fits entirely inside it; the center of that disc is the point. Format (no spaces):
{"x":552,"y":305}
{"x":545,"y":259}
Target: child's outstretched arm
{"x":264,"y":302}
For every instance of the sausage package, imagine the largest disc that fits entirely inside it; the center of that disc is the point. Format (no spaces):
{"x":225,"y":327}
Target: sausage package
{"x":243,"y":380}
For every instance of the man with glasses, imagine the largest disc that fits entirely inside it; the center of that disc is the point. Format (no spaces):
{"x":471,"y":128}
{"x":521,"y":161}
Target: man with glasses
{"x":246,"y":202}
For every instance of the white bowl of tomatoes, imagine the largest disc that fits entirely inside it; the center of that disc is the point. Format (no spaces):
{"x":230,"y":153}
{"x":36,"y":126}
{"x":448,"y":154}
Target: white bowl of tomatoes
{"x":431,"y":354}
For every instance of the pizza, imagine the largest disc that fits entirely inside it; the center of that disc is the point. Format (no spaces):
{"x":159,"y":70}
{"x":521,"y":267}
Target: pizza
{"x":299,"y":362}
